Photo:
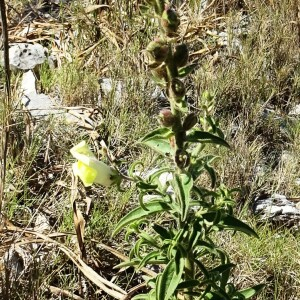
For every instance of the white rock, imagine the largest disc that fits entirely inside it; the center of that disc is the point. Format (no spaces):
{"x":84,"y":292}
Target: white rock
{"x":158,"y":93}
{"x":277,"y":208}
{"x":295,"y":111}
{"x":28,"y":83}
{"x":110,"y":87}
{"x":26,"y":56}
{"x":41,"y":223}
{"x":39,"y":105}
{"x":17,"y":260}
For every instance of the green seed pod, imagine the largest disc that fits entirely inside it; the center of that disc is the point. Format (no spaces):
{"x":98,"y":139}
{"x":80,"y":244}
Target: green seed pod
{"x":190,"y":121}
{"x":181,"y":55}
{"x":158,"y":51}
{"x":176,"y":90}
{"x":170,"y":21}
{"x":166,"y":118}
{"x":182,"y":158}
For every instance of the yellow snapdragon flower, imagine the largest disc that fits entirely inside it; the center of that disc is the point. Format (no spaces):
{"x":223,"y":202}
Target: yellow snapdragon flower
{"x":89,"y":169}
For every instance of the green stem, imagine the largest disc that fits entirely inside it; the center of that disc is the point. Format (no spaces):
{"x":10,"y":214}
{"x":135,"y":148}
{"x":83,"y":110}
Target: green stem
{"x":172,"y":72}
{"x":170,"y":65}
{"x":160,"y":4}
{"x":189,"y":272}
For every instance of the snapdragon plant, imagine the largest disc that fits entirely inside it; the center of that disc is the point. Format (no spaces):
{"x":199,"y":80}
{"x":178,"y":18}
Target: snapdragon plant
{"x":175,"y":227}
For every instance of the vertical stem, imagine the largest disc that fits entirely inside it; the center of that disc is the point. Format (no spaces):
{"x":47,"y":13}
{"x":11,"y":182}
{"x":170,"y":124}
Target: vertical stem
{"x":160,"y":5}
{"x":179,"y":142}
{"x":189,"y":273}
{"x":177,"y":128}
{"x":171,"y":67}
{"x":172,"y":72}
{"x":6,"y":104}
{"x":5,"y":43}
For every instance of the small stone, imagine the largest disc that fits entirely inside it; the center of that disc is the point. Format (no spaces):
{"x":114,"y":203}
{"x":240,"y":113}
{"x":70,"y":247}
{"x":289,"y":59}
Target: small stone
{"x":109,"y":87}
{"x":38,"y":105}
{"x":278,"y":210}
{"x":295,"y":111}
{"x":25,"y":56}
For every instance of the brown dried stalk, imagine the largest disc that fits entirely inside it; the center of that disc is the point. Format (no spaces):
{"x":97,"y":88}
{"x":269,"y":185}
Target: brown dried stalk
{"x":6,"y":104}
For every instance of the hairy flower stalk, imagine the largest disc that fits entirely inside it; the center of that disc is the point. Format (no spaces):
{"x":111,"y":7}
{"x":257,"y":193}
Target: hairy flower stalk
{"x":176,"y":96}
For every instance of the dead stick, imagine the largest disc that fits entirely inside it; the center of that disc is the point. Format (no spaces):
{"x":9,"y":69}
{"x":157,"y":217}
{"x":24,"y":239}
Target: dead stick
{"x":6,"y":119}
{"x":6,"y":48}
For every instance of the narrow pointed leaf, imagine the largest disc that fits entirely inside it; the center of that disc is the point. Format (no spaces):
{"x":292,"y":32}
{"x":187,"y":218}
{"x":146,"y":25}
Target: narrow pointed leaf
{"x":212,"y":174}
{"x":213,"y":296}
{"x":141,"y":297}
{"x":150,"y":256}
{"x":206,"y":137}
{"x":139,"y":213}
{"x":158,"y":140}
{"x":223,"y":268}
{"x":188,"y":284}
{"x":183,"y":185}
{"x":168,"y":282}
{"x":146,"y":186}
{"x":250,"y":292}
{"x":232,"y":223}
{"x":184,"y":71}
{"x":161,"y":146}
{"x":163,"y":133}
{"x":164,"y":233}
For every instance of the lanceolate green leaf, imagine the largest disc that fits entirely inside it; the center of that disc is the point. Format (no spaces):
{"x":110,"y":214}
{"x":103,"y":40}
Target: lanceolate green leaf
{"x":127,"y":263}
{"x":141,"y":297}
{"x":188,"y":284}
{"x":139,"y":213}
{"x":183,"y":185}
{"x":147,"y":258}
{"x":161,"y":146}
{"x":229,"y":222}
{"x":205,"y":137}
{"x":164,"y":233}
{"x":222,"y":268}
{"x":213,"y":296}
{"x":184,"y":71}
{"x":198,"y":164}
{"x":250,"y":292}
{"x":168,"y":282}
{"x":232,"y":223}
{"x":212,"y":174}
{"x":162,"y":133}
{"x":158,"y":140}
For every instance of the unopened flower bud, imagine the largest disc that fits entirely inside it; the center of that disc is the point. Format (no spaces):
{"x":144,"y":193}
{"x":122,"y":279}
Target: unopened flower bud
{"x":181,"y":55}
{"x":158,"y":50}
{"x":170,"y":21}
{"x":176,"y":90}
{"x":166,"y":118}
{"x":190,"y":121}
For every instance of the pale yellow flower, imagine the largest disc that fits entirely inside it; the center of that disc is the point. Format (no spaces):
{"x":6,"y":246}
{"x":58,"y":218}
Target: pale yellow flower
{"x":89,"y":169}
